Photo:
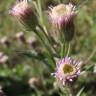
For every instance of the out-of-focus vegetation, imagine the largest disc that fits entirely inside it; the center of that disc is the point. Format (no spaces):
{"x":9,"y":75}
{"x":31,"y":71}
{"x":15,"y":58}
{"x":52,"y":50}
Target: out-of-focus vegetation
{"x":21,"y":74}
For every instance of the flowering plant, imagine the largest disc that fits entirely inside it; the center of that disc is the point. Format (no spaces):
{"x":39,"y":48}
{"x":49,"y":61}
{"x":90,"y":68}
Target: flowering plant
{"x":53,"y":32}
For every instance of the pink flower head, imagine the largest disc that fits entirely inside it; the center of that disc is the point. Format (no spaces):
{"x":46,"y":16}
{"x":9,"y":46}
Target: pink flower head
{"x":67,"y":70}
{"x":21,"y":9}
{"x":24,"y":13}
{"x":61,"y":14}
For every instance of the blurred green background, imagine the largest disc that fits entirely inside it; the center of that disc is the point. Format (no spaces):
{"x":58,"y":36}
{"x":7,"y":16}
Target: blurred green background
{"x":19,"y":74}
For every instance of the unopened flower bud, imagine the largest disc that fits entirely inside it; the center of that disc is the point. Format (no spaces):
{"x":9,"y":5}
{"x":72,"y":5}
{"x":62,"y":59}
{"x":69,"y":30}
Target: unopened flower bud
{"x":34,"y":82}
{"x":20,"y":37}
{"x":2,"y":93}
{"x":32,"y":42}
{"x":24,"y":13}
{"x":4,"y":41}
{"x":3,"y":59}
{"x":1,"y":54}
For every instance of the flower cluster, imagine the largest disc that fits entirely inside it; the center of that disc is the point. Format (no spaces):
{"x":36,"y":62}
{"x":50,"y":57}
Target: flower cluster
{"x":61,"y":18}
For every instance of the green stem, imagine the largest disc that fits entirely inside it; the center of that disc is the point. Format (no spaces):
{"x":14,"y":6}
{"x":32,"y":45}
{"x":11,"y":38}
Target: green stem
{"x":40,"y":12}
{"x":62,"y":50}
{"x":47,"y":38}
{"x":39,"y":8}
{"x":49,"y":54}
{"x":45,"y":41}
{"x":64,"y":91}
{"x":67,"y":49}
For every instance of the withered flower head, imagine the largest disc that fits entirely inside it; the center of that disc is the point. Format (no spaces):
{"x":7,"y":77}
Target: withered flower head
{"x":20,"y":37}
{"x":67,"y":70}
{"x":34,"y":82}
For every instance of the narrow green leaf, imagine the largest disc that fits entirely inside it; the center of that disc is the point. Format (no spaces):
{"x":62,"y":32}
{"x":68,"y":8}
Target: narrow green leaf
{"x":80,"y":91}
